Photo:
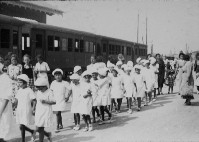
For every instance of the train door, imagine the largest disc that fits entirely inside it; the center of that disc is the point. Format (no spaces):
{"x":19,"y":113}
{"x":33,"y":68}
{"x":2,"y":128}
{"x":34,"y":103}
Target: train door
{"x":98,"y":51}
{"x":38,"y":43}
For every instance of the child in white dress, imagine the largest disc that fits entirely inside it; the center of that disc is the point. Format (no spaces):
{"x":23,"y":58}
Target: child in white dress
{"x":117,"y":90}
{"x":95,"y":95}
{"x":104,"y":93}
{"x":129,"y":88}
{"x":44,"y":113}
{"x":6,"y":117}
{"x":140,"y":85}
{"x":150,"y":81}
{"x":60,"y":90}
{"x":86,"y":101}
{"x":24,"y":112}
{"x":75,"y":92}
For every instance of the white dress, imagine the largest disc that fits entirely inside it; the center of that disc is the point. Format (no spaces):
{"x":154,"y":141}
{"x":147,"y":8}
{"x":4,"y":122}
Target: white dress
{"x":44,"y":113}
{"x":155,"y":70}
{"x":104,"y":91}
{"x":128,"y":86}
{"x":85,"y":103}
{"x":6,"y":120}
{"x":60,"y":91}
{"x":95,"y":96}
{"x":116,"y":89}
{"x":24,"y":111}
{"x":149,"y":78}
{"x":76,"y":93}
{"x":139,"y":79}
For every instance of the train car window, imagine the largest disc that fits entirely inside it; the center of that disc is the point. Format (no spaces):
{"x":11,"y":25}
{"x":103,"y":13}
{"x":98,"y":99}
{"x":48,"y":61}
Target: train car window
{"x":86,"y":46}
{"x":91,"y":47}
{"x":110,"y":48}
{"x":94,"y":48}
{"x":70,"y":44}
{"x":119,"y":49}
{"x":15,"y":39}
{"x":113,"y":49}
{"x":76,"y":45}
{"x":136,"y":51}
{"x":125,"y":50}
{"x":38,"y":41}
{"x":81,"y":45}
{"x":57,"y":43}
{"x":64,"y":44}
{"x":5,"y":38}
{"x":104,"y":47}
{"x":50,"y":43}
{"x":122,"y":49}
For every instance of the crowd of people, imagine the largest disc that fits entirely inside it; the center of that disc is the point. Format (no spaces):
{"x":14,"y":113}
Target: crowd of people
{"x":98,"y":90}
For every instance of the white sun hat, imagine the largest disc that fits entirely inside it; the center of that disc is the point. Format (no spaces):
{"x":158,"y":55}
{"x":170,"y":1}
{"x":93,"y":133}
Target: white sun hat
{"x":102,"y":71}
{"x":152,"y":60}
{"x":119,"y":63}
{"x":130,"y":64}
{"x":41,"y":82}
{"x":127,"y":68}
{"x":138,"y":60}
{"x":94,"y":70}
{"x":75,"y":76}
{"x":23,"y":77}
{"x":76,"y":69}
{"x":137,"y":67}
{"x":57,"y":70}
{"x":124,"y":66}
{"x":86,"y":73}
{"x":146,"y":62}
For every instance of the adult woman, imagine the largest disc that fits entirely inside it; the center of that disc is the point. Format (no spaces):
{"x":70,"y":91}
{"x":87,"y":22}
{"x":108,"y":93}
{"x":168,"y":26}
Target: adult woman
{"x":5,"y":105}
{"x":161,"y":73}
{"x":180,"y":64}
{"x":93,"y":60}
{"x":196,"y":70}
{"x":187,"y":84}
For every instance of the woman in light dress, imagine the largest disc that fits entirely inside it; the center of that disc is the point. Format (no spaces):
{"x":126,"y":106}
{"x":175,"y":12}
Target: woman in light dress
{"x":180,"y":64}
{"x":187,"y":85}
{"x":6,"y":117}
{"x":196,"y":70}
{"x":44,"y":113}
{"x":24,"y":112}
{"x":60,"y":90}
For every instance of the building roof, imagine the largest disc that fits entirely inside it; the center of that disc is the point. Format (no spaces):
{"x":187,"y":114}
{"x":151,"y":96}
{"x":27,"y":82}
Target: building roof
{"x":41,"y":6}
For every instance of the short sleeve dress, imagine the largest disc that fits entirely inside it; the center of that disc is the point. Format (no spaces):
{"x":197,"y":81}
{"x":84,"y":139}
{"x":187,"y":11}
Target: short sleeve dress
{"x":6,"y":120}
{"x":129,"y":86}
{"x":44,"y":113}
{"x":116,"y":89}
{"x":139,"y":79}
{"x":76,"y":93}
{"x":24,"y":111}
{"x":60,"y":91}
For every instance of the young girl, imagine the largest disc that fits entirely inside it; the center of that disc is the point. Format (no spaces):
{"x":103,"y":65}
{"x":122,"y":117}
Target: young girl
{"x":116,"y":89}
{"x":104,"y":93}
{"x":128,"y":87}
{"x":95,"y":95}
{"x":171,"y":79}
{"x":150,"y":80}
{"x":86,"y":101}
{"x":42,"y":68}
{"x":140,"y":84}
{"x":27,"y":69}
{"x":60,"y":90}
{"x":75,"y":91}
{"x":24,"y":112}
{"x":44,"y":113}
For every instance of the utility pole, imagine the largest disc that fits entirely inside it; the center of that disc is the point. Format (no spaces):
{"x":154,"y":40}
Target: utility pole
{"x":138,"y":29}
{"x":146,"y":31}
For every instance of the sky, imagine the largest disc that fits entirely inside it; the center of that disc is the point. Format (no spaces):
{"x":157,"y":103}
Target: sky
{"x":172,"y":24}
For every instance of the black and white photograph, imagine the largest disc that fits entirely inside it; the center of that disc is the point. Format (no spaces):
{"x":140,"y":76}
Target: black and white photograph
{"x":99,"y":71}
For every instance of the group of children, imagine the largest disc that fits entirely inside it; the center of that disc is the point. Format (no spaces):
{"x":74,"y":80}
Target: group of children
{"x":97,"y":90}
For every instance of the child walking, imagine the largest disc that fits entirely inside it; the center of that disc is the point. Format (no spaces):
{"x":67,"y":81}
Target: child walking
{"x":140,"y":85}
{"x":24,"y":112}
{"x":86,"y":101}
{"x":60,"y":90}
{"x":116,"y":89}
{"x":44,"y":113}
{"x":75,"y":91}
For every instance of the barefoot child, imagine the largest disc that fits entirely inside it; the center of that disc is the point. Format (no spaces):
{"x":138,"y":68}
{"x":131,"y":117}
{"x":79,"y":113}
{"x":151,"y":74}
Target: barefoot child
{"x":24,"y":112}
{"x":60,"y":90}
{"x":44,"y":113}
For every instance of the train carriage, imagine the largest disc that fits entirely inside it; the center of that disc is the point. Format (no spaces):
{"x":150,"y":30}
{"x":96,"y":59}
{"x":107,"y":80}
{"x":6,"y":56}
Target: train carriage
{"x":61,"y":47}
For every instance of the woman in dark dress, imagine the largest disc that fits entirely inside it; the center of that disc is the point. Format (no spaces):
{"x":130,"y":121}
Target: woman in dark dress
{"x":161,"y":73}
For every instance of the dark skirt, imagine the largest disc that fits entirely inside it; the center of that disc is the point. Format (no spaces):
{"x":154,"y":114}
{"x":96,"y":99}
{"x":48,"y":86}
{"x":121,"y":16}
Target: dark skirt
{"x":160,"y":80}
